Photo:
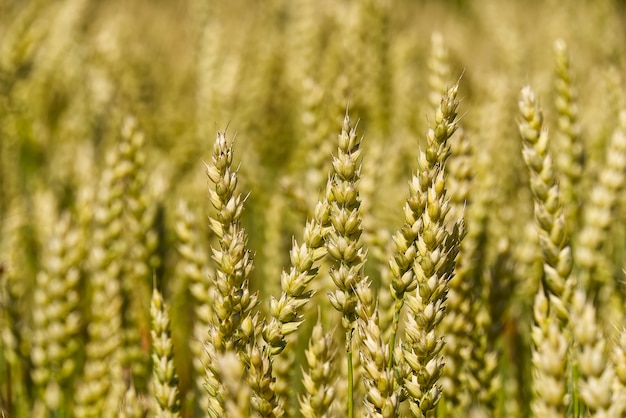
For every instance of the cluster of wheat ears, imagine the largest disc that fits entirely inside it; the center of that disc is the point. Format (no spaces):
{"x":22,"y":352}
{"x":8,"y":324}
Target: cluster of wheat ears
{"x":307,"y":279}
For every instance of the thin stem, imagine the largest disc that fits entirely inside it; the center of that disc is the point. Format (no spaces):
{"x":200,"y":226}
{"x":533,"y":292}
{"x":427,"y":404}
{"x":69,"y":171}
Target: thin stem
{"x":575,"y":397}
{"x":350,"y":374}
{"x":394,"y":330}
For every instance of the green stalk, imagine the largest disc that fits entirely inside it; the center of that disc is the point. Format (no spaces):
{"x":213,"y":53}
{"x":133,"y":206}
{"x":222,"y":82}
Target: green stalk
{"x":394,"y":330}
{"x":575,"y":398}
{"x":350,"y":374}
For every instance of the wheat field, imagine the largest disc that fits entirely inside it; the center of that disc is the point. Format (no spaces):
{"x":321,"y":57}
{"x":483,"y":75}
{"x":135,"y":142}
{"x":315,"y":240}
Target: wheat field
{"x":312,"y":208}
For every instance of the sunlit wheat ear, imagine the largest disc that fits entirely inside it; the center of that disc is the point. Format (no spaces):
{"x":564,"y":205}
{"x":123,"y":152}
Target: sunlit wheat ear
{"x":315,"y":125}
{"x":430,"y":163}
{"x":164,"y":375}
{"x":550,"y":359}
{"x":436,"y":247}
{"x":318,"y":379}
{"x":215,"y":380}
{"x":429,"y":175}
{"x":264,"y":400}
{"x":228,"y":387}
{"x":343,"y":242}
{"x":618,"y":358}
{"x":600,"y":214}
{"x":596,"y":372}
{"x":97,"y":393}
{"x":131,"y":405}
{"x":471,"y":374}
{"x":438,"y":69}
{"x":235,"y":328}
{"x":284,"y":368}
{"x":13,"y":287}
{"x":233,"y":300}
{"x":374,"y":25}
{"x":383,"y":384}
{"x":459,"y":323}
{"x":209,"y":97}
{"x":553,"y":234}
{"x":192,"y":270}
{"x":286,"y":312}
{"x":56,"y":316}
{"x":484,"y":374}
{"x":570,"y":158}
{"x":141,"y":243}
{"x":382,"y":381}
{"x":343,"y":238}
{"x":461,"y":170}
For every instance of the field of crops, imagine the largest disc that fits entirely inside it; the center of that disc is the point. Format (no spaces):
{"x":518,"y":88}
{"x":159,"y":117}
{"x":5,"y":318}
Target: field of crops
{"x":312,"y":208}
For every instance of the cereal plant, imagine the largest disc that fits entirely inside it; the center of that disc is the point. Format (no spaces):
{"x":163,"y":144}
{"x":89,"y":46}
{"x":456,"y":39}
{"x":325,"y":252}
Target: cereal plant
{"x":312,"y":208}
